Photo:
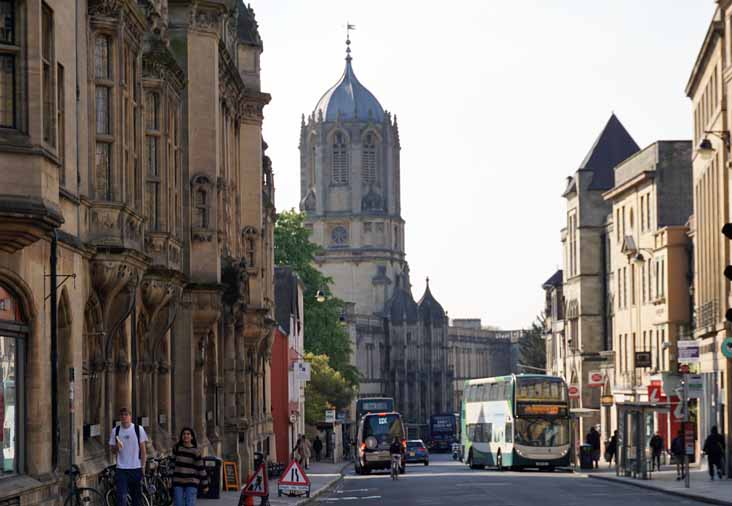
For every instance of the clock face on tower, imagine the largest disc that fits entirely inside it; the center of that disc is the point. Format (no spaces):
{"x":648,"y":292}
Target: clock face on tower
{"x":339,"y":236}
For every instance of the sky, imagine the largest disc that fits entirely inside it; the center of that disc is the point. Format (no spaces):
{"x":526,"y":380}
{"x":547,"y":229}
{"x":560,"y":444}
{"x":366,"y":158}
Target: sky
{"x":498,"y":101}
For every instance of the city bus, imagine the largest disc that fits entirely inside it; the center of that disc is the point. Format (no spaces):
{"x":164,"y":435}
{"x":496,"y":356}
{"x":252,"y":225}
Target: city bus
{"x":443,"y":432}
{"x":373,"y":405}
{"x":516,"y":421}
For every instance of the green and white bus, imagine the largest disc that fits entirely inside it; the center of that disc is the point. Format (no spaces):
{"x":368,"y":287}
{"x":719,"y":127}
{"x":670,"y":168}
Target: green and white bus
{"x":516,"y":421}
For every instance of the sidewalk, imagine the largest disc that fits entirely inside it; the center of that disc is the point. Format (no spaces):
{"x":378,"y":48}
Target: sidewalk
{"x":701,"y":487}
{"x":321,"y":476}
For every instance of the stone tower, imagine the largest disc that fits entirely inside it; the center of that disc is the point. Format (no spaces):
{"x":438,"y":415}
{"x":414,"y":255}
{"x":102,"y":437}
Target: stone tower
{"x":349,"y":149}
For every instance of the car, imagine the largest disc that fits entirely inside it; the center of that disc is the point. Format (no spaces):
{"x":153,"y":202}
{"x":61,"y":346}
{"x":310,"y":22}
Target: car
{"x":417,"y":452}
{"x":376,"y":431}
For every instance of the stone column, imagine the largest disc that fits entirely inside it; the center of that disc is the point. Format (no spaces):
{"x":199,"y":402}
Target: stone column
{"x":197,"y":395}
{"x":164,"y":402}
{"x":230,"y":419}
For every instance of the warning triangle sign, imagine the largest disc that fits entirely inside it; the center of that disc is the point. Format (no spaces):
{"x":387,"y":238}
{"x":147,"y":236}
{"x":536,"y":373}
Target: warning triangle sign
{"x":294,"y":475}
{"x":257,"y":484}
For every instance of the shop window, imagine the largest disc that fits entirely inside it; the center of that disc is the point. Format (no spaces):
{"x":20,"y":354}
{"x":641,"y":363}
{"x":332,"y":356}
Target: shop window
{"x":12,"y":349}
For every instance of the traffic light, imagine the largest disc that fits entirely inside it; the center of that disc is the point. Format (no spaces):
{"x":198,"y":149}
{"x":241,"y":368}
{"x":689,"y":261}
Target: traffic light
{"x":727,"y":231}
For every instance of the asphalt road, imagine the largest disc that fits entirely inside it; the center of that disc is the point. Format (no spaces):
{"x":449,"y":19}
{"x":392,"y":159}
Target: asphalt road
{"x":446,"y":482}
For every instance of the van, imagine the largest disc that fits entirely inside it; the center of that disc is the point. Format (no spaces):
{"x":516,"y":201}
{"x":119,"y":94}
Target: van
{"x":375,"y":433}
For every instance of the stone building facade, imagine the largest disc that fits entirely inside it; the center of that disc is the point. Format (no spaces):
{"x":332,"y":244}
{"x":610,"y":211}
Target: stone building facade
{"x":148,"y":202}
{"x":709,"y":88}
{"x":553,"y":331}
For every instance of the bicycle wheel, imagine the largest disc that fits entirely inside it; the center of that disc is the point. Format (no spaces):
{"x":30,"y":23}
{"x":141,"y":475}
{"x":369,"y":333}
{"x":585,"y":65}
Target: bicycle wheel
{"x":85,"y":497}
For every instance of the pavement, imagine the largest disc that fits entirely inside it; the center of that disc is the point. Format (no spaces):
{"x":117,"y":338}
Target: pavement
{"x":701,"y":488}
{"x":448,"y":482}
{"x":322,"y":476}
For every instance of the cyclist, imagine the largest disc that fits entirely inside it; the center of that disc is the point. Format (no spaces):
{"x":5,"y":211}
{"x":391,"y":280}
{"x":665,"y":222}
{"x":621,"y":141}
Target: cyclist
{"x":395,"y":450}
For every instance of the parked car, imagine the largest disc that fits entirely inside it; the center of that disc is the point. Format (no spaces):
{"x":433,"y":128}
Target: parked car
{"x":417,"y":452}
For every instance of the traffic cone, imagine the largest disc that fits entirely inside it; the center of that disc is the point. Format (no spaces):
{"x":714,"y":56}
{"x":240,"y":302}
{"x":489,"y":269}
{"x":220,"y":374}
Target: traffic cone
{"x":248,"y":499}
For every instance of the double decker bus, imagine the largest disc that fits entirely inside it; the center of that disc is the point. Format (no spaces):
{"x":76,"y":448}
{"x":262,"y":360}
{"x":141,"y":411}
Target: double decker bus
{"x":373,"y":405}
{"x":443,"y":432}
{"x":516,"y":421}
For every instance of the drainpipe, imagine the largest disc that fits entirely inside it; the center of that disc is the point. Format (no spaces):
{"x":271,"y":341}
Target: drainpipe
{"x":78,"y":117}
{"x":54,"y":351}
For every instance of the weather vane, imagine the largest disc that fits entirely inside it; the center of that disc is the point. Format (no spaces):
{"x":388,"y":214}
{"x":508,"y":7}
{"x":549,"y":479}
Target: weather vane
{"x":349,"y":27}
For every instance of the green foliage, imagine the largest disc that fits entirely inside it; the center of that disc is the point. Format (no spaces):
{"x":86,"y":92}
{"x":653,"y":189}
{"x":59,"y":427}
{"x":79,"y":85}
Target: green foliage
{"x":532,"y":349}
{"x":324,"y":332}
{"x":327,"y":389}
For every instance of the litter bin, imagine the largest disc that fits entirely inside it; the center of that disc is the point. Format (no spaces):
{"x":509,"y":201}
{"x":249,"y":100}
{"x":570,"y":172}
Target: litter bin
{"x":212,"y":465}
{"x":585,"y":456}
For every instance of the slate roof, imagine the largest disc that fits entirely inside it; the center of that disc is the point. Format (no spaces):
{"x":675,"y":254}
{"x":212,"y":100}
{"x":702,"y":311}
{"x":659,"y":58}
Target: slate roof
{"x":429,"y":308}
{"x":555,"y":280}
{"x":248,"y":29}
{"x":286,"y":299}
{"x":612,"y":146}
{"x":350,"y":98}
{"x":401,"y":307}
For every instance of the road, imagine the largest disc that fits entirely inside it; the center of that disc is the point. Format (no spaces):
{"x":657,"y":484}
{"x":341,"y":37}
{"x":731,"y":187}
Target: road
{"x":446,"y":482}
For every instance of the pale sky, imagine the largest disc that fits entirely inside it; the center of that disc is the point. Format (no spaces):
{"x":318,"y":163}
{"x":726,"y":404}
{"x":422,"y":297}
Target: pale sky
{"x":498,"y":102}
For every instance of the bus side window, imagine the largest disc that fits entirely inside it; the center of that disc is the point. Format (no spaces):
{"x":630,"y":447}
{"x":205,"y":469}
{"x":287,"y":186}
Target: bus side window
{"x":488,"y":432}
{"x":509,"y":432}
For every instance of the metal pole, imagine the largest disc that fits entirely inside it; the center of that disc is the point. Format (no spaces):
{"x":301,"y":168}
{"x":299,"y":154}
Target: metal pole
{"x":685,"y":400}
{"x":71,"y":417}
{"x":54,"y":351}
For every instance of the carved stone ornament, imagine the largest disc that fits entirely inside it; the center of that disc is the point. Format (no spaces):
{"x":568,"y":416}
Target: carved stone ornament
{"x":160,"y":297}
{"x":107,"y":8}
{"x":308,"y":203}
{"x":205,"y":19}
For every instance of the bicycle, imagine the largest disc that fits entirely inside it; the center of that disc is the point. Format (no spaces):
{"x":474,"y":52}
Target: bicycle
{"x":81,"y":496}
{"x":111,"y":495}
{"x":396,"y":460}
{"x":154,"y":482}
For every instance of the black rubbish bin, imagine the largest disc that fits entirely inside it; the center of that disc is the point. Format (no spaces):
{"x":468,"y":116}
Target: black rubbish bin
{"x":213,"y":469}
{"x":585,"y":456}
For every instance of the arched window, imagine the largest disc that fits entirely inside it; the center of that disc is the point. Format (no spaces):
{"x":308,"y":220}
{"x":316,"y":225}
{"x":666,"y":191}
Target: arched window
{"x":103,"y":109}
{"x":340,"y":159}
{"x":10,"y":66}
{"x":12,"y":359}
{"x":201,"y":208}
{"x":368,"y":159}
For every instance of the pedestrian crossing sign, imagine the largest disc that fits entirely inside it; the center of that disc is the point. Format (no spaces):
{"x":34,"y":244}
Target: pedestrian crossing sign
{"x":294,"y":481}
{"x":256,"y":484}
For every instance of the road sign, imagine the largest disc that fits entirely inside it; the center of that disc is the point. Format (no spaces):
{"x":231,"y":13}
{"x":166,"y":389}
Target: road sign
{"x":688,"y":352}
{"x":573,"y":391}
{"x":727,"y":347}
{"x":294,"y":481}
{"x":594,"y":379}
{"x":643,"y":359}
{"x":330,"y":415}
{"x":655,"y":392}
{"x":256,"y":485}
{"x":684,"y":368}
{"x":695,"y":386}
{"x":689,"y":438}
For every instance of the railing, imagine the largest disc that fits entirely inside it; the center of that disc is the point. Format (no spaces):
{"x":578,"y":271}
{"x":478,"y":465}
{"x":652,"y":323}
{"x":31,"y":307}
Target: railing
{"x":708,"y":314}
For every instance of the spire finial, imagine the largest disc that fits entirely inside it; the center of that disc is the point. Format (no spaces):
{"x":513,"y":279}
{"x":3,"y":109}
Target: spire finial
{"x":428,"y":281}
{"x":349,"y":27}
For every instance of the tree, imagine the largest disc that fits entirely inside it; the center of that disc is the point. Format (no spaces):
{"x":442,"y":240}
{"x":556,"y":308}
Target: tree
{"x":327,"y":389}
{"x":532,"y":350}
{"x":324,"y":331}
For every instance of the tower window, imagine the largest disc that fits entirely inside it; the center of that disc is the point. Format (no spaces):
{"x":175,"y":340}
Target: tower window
{"x":340,"y":160}
{"x":368,"y":159}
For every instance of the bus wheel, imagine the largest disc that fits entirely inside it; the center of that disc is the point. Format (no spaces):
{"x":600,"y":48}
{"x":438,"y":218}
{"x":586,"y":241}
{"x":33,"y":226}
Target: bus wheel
{"x":499,"y":461}
{"x":471,"y":463}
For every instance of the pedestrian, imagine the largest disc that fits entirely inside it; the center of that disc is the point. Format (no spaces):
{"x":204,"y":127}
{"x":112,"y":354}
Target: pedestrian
{"x":612,"y":449}
{"x":127,"y":442}
{"x":307,"y":451}
{"x":188,"y":471}
{"x":656,"y":445}
{"x":714,"y":448}
{"x":593,"y":439}
{"x":318,"y":447}
{"x":677,"y":451}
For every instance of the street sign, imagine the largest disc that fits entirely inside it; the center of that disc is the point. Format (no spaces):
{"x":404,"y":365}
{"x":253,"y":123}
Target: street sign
{"x":643,"y":359}
{"x":330,"y":415}
{"x":573,"y":391}
{"x":688,"y":352}
{"x":594,"y":379}
{"x":689,"y":438}
{"x":256,"y":485}
{"x":294,"y":481}
{"x":695,"y":386}
{"x":655,"y":392}
{"x":607,"y":400}
{"x":727,"y":347}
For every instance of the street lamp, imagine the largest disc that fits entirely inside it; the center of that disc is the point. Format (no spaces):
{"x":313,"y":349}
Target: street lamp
{"x":705,"y":148}
{"x":320,"y":296}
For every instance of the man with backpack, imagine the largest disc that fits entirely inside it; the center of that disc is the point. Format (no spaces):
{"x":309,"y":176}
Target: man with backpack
{"x":714,"y":448}
{"x":127,"y":442}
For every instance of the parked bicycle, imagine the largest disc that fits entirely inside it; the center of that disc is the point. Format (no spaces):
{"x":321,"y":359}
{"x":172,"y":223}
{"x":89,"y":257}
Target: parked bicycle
{"x":157,"y":481}
{"x":110,"y":495}
{"x":81,"y":496}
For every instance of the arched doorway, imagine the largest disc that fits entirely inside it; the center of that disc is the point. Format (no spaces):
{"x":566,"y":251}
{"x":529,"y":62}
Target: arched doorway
{"x":13,"y":339}
{"x":92,"y":377}
{"x":65,"y":362}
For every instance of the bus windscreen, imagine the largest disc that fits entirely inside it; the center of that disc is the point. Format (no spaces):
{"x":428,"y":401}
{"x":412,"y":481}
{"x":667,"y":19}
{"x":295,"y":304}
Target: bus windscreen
{"x":540,"y":390}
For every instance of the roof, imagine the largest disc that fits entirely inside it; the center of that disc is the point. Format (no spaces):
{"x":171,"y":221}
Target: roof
{"x":429,"y":308}
{"x":401,"y":307}
{"x":286,"y":296}
{"x":349,"y":99}
{"x":247,"y":27}
{"x":612,"y":146}
{"x":554,"y":280}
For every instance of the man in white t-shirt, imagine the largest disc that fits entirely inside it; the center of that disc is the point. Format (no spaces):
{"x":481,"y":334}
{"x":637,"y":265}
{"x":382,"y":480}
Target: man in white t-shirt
{"x":128,"y":443}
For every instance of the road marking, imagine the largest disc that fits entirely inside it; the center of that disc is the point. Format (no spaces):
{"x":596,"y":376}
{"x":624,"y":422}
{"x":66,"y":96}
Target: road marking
{"x":353,"y":490}
{"x":349,"y":498}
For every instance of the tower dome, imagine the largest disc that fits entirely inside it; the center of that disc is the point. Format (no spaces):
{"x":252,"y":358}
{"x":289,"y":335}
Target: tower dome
{"x":350,"y":98}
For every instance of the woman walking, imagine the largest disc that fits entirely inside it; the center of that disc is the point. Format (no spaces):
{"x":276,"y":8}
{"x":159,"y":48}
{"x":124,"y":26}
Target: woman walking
{"x":188,"y":470}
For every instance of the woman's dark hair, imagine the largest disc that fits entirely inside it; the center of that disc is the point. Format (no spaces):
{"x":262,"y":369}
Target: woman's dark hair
{"x":193,"y":437}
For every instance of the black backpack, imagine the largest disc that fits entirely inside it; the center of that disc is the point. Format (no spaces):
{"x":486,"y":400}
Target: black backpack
{"x":137,"y":433}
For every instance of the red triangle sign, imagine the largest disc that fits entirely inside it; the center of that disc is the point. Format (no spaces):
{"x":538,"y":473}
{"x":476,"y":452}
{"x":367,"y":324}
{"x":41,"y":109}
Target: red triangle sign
{"x":294,"y":475}
{"x":257,"y":484}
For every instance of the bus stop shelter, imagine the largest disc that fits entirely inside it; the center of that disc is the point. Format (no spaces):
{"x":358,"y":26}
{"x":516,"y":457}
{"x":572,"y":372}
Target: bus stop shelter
{"x":635,"y":429}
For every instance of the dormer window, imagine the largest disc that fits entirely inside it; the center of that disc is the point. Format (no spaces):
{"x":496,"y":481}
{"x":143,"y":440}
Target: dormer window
{"x":340,"y":160}
{"x":368,"y":159}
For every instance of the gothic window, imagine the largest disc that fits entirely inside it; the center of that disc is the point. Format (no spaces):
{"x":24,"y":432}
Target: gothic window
{"x":9,"y":66}
{"x":12,"y":347}
{"x":152,"y":149}
{"x":48,"y":77}
{"x":102,"y":105}
{"x":131,"y":163}
{"x":368,"y":159}
{"x":340,"y":160}
{"x":339,"y":236}
{"x":60,"y":122}
{"x":201,"y":209}
{"x":174,"y":167}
